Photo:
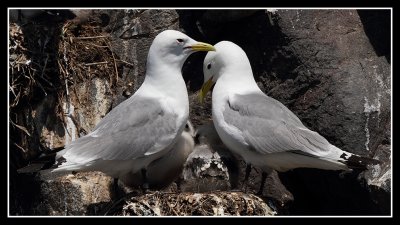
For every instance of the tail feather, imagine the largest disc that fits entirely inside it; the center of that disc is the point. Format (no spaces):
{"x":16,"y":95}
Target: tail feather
{"x":43,"y":162}
{"x":50,"y":169}
{"x":357,"y":161}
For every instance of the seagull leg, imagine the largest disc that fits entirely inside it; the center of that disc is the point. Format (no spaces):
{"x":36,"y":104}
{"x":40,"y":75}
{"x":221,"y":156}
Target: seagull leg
{"x":114,"y":205}
{"x":116,"y":190}
{"x":263,"y":178}
{"x":246,"y":178}
{"x":115,"y":186}
{"x":145,"y":185}
{"x":248,"y":170}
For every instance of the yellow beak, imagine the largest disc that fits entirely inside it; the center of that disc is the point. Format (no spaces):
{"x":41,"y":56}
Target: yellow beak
{"x":204,"y":89}
{"x":201,"y":46}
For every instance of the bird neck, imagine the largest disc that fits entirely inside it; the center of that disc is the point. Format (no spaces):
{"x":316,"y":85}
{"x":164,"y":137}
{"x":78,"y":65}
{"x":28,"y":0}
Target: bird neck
{"x":167,"y":83}
{"x":237,"y":80}
{"x":163,"y":70}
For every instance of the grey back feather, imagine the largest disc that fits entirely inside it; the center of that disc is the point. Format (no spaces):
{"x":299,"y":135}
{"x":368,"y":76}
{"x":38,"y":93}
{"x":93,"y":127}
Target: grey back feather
{"x":135,"y":128}
{"x":270,"y":127}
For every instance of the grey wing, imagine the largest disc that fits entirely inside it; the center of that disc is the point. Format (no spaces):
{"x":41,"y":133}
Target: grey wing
{"x":270,"y":127}
{"x":135,"y":128}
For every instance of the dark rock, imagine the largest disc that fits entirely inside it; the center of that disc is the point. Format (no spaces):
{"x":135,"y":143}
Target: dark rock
{"x":17,"y":15}
{"x":274,"y":191}
{"x":222,"y":16}
{"x":377,"y":27}
{"x":342,"y":88}
{"x":24,"y":16}
{"x":49,"y":127}
{"x":132,"y":32}
{"x":378,"y":179}
{"x":76,"y":194}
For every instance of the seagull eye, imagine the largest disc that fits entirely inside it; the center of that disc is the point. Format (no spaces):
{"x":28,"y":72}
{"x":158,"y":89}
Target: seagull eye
{"x":179,"y":40}
{"x":209,"y":66}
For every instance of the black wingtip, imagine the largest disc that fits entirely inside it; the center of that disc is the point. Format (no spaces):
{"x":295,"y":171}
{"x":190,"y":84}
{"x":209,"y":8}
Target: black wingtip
{"x":45,"y":161}
{"x":59,"y":161}
{"x":360,"y":162}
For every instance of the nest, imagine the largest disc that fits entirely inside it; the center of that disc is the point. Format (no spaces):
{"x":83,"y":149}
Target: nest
{"x":196,"y":204}
{"x":50,"y":58}
{"x":85,"y":52}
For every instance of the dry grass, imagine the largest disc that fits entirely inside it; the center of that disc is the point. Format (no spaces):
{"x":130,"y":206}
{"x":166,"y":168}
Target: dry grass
{"x":50,"y":59}
{"x":192,"y":204}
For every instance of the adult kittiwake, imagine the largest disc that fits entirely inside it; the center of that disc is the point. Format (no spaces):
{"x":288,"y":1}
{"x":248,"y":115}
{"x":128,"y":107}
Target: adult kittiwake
{"x":259,"y":128}
{"x":144,"y":127}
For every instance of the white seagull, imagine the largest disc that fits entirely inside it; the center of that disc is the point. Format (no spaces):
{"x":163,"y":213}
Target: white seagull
{"x":260,"y":129}
{"x":148,"y":124}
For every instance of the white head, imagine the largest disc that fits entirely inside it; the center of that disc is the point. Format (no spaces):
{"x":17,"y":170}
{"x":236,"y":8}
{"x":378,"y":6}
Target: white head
{"x":227,"y":57}
{"x":172,"y":47}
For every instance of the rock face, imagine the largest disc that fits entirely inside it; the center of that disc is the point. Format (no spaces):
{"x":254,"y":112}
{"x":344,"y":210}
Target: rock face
{"x":62,"y":87}
{"x":342,"y":86}
{"x":84,"y":193}
{"x":132,"y":32}
{"x":330,"y":67}
{"x":378,"y":179}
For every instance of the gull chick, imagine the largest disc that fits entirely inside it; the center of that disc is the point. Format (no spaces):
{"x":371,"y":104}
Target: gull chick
{"x":165,"y":170}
